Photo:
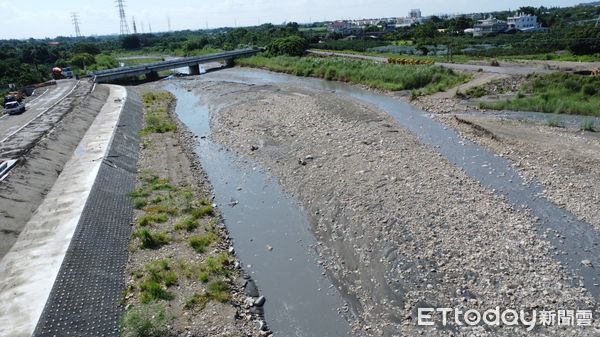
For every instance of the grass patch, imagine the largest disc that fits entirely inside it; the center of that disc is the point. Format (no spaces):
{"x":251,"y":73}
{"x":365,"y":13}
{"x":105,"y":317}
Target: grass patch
{"x":160,"y":271}
{"x":555,"y":93}
{"x":474,"y":92}
{"x":161,"y":209}
{"x":200,"y":243}
{"x":157,"y":113}
{"x":215,"y":290}
{"x":202,"y":211}
{"x":189,"y":224}
{"x":426,"y":78}
{"x":139,"y":203}
{"x":148,"y":219}
{"x":150,"y":240}
{"x":152,"y":291}
{"x":145,"y":321}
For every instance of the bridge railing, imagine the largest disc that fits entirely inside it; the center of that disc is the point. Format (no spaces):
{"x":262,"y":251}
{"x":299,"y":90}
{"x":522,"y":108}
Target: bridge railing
{"x":175,"y":63}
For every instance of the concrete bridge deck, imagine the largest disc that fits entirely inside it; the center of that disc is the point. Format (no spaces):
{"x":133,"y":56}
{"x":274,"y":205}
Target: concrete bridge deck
{"x":193,"y":63}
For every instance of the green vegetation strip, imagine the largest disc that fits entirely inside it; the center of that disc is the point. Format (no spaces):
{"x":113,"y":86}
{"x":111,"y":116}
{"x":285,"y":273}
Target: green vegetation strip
{"x":426,"y":79}
{"x":555,"y":93}
{"x":171,"y":215}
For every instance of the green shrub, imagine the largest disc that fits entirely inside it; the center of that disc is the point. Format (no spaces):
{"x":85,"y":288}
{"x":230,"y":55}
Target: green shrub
{"x":428,"y":78}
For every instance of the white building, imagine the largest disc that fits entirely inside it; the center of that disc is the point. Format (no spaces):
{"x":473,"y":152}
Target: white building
{"x":523,"y":22}
{"x":489,"y":26}
{"x":414,"y":18}
{"x":415,"y":13}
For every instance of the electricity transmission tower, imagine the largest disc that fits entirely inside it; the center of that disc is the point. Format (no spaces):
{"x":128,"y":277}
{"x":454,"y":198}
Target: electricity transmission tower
{"x":124,"y":26}
{"x":169,"y":22}
{"x":133,"y":23}
{"x":75,"y":20}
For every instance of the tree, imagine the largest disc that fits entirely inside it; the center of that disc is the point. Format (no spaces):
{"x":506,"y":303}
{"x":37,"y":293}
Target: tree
{"x":131,"y":42}
{"x":292,"y":45}
{"x":84,"y":47}
{"x":584,"y":40}
{"x":82,"y":60}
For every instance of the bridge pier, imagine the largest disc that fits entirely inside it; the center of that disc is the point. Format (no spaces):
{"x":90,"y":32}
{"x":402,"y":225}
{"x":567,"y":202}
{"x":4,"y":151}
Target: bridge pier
{"x":194,"y":70}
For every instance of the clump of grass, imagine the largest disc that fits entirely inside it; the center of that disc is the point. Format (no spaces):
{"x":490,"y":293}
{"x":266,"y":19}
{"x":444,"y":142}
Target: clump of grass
{"x":151,"y":218}
{"x":428,"y":78}
{"x":140,"y":203}
{"x":160,"y":271}
{"x":145,"y":321}
{"x":151,"y":291}
{"x":217,"y":265}
{"x":150,"y":240}
{"x":215,"y":290}
{"x":199,"y":243}
{"x":188,"y":224}
{"x":161,"y":209}
{"x":204,"y":277}
{"x":202,"y":211}
{"x":588,"y":125}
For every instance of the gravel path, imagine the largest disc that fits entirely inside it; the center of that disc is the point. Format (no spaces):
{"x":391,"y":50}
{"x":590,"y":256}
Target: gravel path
{"x":398,"y":227}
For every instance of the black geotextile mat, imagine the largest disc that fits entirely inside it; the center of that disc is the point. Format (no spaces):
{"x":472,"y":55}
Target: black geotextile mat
{"x":86,"y":296}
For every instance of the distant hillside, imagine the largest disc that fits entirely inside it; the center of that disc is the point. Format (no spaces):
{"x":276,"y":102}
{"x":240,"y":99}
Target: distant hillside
{"x":589,"y":4}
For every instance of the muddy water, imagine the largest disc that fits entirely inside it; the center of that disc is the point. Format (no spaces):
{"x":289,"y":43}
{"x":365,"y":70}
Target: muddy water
{"x":575,"y":241}
{"x":260,"y":216}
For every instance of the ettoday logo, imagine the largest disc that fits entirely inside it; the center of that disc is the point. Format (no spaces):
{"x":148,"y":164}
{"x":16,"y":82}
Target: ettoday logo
{"x":504,"y":317}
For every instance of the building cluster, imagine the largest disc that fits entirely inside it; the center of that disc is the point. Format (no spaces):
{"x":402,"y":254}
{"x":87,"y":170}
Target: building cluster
{"x":486,"y":26}
{"x":520,"y":22}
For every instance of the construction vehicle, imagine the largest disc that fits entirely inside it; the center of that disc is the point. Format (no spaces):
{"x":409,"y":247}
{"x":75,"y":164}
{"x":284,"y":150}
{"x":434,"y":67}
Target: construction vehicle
{"x":60,"y":73}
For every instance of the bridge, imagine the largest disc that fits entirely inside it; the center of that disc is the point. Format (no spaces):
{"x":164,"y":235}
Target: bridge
{"x":192,"y":62}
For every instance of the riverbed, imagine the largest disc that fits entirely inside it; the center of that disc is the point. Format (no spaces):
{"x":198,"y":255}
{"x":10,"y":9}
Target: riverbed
{"x":396,"y":209}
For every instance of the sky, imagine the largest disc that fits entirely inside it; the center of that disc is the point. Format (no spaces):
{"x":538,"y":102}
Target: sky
{"x":100,"y":17}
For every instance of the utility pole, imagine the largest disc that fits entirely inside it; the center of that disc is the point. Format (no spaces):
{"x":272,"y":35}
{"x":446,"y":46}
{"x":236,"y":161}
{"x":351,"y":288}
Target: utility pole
{"x":75,"y":20}
{"x":150,"y":28}
{"x":124,"y":29}
{"x":134,"y":27}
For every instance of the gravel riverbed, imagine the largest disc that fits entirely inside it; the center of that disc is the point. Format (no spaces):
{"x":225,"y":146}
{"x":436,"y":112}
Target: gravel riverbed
{"x":398,"y":227}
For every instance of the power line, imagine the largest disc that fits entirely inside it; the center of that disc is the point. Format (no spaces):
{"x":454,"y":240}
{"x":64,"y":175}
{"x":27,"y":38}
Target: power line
{"x":75,"y":20}
{"x":124,"y":29}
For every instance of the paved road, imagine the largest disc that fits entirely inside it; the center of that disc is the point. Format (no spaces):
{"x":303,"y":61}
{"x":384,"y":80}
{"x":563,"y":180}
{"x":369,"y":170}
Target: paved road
{"x":43,"y":99}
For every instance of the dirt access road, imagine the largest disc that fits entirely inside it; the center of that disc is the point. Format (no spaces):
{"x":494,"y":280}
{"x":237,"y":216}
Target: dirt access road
{"x":505,"y":68}
{"x":398,"y":226}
